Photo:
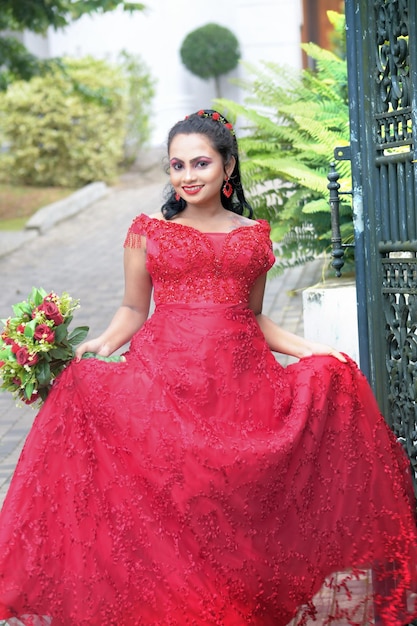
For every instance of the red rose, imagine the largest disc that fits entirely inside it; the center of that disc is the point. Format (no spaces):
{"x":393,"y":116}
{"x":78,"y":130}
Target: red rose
{"x":201,"y":112}
{"x":15,"y":346}
{"x":32,"y":398}
{"x":20,"y":329}
{"x":24,"y":357}
{"x":33,"y":359}
{"x":2,"y":363}
{"x":51,"y":312}
{"x":42,"y":331}
{"x":216,"y":116}
{"x":229,"y":126}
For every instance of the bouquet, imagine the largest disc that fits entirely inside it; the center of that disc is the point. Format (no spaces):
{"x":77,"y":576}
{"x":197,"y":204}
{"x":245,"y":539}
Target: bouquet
{"x":36,"y":345}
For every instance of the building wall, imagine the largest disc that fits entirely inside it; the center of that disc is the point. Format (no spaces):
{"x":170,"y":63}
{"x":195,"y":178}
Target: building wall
{"x":267,"y":30}
{"x":39,"y":46}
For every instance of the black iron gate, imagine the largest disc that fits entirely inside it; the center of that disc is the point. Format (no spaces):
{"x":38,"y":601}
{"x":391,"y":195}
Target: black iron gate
{"x":382,"y":71}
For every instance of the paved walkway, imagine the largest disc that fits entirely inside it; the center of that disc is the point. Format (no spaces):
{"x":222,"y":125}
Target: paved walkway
{"x":83,"y":256}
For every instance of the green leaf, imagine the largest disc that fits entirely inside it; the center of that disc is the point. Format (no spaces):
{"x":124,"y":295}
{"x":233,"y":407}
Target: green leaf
{"x":278,"y":231}
{"x":43,"y":374}
{"x":296,"y":171}
{"x":115,"y":358}
{"x":5,"y":353}
{"x":20,"y":309}
{"x":37,"y":295}
{"x":60,"y":354}
{"x":29,"y":388}
{"x":315,"y":206}
{"x":60,"y":333}
{"x":78,"y":335}
{"x":30,"y":328}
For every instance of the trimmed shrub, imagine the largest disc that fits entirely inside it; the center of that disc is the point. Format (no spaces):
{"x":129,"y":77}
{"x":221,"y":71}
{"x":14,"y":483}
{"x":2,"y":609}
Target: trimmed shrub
{"x":209,"y":52}
{"x":66,"y":128}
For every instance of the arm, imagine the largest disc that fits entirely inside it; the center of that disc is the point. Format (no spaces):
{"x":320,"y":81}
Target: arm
{"x":133,"y":311}
{"x":280,"y":340}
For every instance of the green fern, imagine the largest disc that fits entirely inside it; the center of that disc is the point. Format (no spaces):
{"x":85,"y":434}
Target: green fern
{"x":291,"y":123}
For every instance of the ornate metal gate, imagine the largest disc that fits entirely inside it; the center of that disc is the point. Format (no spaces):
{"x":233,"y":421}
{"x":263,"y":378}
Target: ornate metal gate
{"x":382,"y":71}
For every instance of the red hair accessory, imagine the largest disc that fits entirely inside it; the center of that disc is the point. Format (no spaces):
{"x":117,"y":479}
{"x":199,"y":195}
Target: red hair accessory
{"x":217,"y":117}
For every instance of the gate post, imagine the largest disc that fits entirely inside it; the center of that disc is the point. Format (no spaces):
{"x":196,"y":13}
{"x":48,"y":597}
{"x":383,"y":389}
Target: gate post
{"x":356,"y":121}
{"x":382,"y":86}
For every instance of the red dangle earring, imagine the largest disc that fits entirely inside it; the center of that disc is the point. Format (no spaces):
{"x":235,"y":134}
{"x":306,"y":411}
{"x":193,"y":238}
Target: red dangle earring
{"x":177,"y":197}
{"x":227,"y":188}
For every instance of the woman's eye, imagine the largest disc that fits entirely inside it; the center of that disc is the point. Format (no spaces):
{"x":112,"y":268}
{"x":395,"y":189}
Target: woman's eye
{"x":176,"y":166}
{"x":202,"y":164}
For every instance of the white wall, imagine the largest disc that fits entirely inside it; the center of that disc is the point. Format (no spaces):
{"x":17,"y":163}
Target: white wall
{"x":38,"y":45}
{"x":331,"y":317}
{"x":267,"y":30}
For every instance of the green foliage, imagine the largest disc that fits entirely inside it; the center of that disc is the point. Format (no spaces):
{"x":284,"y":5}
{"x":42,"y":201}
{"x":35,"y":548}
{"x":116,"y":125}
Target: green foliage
{"x":16,"y":63}
{"x":338,"y":36}
{"x":66,"y":128}
{"x":209,"y":52}
{"x":38,"y":15}
{"x":293,"y":122}
{"x":140,"y":90}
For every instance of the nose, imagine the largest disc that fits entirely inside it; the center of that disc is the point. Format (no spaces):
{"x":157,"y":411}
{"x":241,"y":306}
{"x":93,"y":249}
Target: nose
{"x":189,"y":174}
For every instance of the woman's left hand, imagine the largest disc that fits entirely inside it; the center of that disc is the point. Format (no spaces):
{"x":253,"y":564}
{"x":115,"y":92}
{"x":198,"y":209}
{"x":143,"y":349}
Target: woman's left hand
{"x":325,"y":350}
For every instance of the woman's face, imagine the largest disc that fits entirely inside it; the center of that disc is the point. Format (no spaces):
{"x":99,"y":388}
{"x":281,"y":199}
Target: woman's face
{"x":197,"y":170}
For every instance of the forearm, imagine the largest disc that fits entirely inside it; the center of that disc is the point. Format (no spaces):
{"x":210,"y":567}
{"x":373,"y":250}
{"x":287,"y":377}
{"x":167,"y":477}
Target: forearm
{"x":121,"y":329}
{"x":280,"y":340}
{"x":132,"y":313}
{"x":125,"y":323}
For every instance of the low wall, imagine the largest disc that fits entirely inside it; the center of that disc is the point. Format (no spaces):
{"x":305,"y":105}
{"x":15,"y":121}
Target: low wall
{"x":330,"y":315}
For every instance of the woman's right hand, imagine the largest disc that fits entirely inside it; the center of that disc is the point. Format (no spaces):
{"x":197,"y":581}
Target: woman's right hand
{"x":132,"y":313}
{"x":97,"y":346}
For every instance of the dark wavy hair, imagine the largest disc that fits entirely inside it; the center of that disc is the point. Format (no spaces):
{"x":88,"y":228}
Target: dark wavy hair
{"x":221,"y":136}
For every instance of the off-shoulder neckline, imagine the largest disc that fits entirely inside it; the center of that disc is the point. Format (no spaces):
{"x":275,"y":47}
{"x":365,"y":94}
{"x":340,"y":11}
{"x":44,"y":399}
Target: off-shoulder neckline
{"x":258,"y":222}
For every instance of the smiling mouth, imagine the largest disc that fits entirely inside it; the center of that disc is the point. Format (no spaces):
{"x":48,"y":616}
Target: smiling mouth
{"x":193,"y":189}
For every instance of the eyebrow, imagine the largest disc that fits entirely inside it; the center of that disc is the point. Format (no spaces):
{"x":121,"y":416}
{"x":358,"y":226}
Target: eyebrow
{"x":199,"y":158}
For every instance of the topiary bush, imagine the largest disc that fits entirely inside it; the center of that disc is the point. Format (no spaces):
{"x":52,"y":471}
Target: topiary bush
{"x":209,"y":52}
{"x":66,"y":128}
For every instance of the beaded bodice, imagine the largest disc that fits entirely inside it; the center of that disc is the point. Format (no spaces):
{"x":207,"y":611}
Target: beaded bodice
{"x":188,"y":266}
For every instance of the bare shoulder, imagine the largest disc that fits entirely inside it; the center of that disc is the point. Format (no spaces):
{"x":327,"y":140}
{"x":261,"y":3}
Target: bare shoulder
{"x":240,"y":220}
{"x":157,"y":216}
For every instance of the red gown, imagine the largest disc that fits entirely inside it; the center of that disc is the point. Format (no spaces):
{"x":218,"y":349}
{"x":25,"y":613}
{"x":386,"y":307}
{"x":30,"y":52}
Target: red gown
{"x":201,"y":483}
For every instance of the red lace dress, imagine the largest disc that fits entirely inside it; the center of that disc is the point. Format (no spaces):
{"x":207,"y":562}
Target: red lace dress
{"x":199,"y":482}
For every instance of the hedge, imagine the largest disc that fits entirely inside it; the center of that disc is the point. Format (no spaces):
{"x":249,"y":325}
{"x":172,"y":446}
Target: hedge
{"x":66,"y":128}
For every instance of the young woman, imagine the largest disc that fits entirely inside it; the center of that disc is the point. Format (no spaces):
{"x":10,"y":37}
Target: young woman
{"x":197,"y":481}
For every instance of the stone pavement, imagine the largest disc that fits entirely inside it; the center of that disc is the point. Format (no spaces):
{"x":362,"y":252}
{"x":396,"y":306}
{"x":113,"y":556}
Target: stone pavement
{"x":83,"y":255}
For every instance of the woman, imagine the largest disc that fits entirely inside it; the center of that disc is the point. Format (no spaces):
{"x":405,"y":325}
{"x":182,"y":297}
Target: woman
{"x":199,"y":482}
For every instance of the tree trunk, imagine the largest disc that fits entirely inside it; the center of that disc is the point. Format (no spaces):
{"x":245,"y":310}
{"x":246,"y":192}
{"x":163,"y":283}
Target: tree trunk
{"x":217,"y":86}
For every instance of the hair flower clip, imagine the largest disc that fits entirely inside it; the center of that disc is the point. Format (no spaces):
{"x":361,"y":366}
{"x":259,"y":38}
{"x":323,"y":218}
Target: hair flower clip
{"x":217,"y":117}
